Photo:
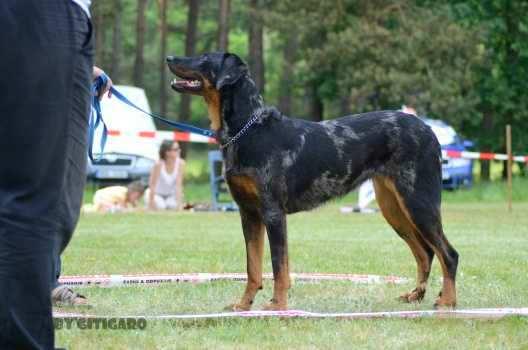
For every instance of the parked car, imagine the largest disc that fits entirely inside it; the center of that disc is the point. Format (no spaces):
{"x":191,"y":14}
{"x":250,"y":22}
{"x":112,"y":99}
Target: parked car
{"x":132,"y":147}
{"x":456,"y":172}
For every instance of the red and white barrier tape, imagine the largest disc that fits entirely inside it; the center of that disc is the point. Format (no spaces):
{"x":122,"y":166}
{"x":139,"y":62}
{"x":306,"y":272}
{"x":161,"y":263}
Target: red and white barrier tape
{"x":188,"y":137}
{"x":466,"y":314}
{"x":166,"y":135}
{"x":124,"y":280}
{"x":480,"y":155}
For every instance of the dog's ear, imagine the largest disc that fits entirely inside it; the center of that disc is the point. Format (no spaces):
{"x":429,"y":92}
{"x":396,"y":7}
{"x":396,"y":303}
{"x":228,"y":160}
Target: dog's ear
{"x":233,"y":68}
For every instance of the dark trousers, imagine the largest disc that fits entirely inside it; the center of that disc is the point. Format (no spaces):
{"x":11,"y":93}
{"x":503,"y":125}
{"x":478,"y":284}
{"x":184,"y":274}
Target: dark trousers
{"x":55,"y":278}
{"x":46,"y":60}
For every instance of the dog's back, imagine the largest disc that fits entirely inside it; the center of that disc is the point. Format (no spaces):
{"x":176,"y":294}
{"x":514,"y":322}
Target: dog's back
{"x":310,"y":163}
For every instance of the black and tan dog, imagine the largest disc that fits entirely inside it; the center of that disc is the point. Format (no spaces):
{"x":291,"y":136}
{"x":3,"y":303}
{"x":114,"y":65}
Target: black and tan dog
{"x":277,"y":165}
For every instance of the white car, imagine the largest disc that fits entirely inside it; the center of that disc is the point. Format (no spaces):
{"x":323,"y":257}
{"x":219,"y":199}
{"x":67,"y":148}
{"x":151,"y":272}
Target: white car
{"x":132,"y":147}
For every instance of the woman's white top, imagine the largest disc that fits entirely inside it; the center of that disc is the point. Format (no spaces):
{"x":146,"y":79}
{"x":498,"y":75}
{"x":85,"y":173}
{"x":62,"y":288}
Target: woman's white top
{"x":85,"y":5}
{"x":166,"y":185}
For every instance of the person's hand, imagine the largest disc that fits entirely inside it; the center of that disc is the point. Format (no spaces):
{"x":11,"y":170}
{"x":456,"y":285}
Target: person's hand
{"x":105,"y":89}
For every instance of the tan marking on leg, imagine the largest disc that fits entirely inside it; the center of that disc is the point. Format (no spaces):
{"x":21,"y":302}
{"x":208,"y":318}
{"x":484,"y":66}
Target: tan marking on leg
{"x":448,"y":297}
{"x":280,"y":287}
{"x":213,"y":101}
{"x":243,"y":188}
{"x":391,"y":207}
{"x":254,"y":236}
{"x":245,"y":191}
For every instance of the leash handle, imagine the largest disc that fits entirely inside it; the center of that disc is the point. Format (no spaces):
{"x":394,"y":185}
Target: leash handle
{"x":96,"y":116}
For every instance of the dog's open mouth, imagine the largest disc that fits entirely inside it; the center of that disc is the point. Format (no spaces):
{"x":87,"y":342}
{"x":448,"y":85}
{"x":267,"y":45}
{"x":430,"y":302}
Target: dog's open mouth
{"x":186,"y":84}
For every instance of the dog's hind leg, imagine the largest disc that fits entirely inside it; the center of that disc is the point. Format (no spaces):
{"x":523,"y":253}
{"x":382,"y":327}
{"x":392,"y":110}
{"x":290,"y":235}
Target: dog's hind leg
{"x":421,"y":205}
{"x":391,"y":209}
{"x":254,"y":236}
{"x":448,"y":257}
{"x":276,"y":227}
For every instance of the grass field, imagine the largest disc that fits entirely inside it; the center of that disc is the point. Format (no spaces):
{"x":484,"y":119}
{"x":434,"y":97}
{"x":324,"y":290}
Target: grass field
{"x":493,"y":272}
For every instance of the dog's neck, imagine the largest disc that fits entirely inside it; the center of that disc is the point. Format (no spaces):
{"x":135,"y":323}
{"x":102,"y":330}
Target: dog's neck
{"x":238,"y":105}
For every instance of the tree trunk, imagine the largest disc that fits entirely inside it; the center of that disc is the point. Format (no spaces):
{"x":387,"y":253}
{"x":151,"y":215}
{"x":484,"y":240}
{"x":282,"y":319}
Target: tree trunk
{"x":522,"y":169}
{"x":116,"y":41}
{"x":485,"y":173}
{"x":190,"y":40}
{"x":139,"y":62}
{"x":98,"y":17}
{"x":315,"y":102}
{"x":484,"y":170}
{"x":162,"y":4}
{"x":344,"y":105}
{"x":256,"y":54}
{"x":286,"y":83}
{"x":223,"y":24}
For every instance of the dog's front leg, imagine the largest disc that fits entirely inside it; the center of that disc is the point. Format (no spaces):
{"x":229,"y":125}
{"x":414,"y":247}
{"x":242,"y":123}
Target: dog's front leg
{"x":254,"y":236}
{"x":276,"y":227}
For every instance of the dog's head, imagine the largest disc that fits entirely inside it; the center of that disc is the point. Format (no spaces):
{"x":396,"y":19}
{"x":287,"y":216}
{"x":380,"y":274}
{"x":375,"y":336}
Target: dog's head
{"x":207,"y":75}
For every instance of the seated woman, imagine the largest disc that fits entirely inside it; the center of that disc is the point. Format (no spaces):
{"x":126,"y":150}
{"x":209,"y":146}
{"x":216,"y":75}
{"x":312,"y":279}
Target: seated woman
{"x":166,"y":179}
{"x":116,"y":198}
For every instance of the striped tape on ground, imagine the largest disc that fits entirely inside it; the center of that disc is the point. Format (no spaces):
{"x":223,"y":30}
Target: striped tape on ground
{"x":466,"y":314}
{"x":120,"y":280}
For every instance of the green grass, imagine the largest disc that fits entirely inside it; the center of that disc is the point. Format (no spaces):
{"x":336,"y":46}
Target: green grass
{"x":492,"y":243}
{"x":495,"y":191}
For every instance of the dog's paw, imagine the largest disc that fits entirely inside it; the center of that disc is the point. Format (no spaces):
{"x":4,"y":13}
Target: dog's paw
{"x":238,"y":307}
{"x":444,"y":304}
{"x":275,"y":306}
{"x":414,"y":296}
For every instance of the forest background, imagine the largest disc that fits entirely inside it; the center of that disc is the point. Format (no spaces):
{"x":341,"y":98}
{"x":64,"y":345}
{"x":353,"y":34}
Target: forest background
{"x":461,"y":61}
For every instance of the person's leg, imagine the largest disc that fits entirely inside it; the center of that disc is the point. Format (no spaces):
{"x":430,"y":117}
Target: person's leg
{"x":25,"y":308}
{"x":74,"y":178}
{"x":160,"y":203}
{"x":61,"y":294}
{"x":76,"y":152}
{"x":56,"y":271}
{"x":171,"y":202}
{"x":146,"y":198}
{"x":39,"y":46}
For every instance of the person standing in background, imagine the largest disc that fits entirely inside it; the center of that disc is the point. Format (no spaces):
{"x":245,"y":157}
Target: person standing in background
{"x":45,"y":90}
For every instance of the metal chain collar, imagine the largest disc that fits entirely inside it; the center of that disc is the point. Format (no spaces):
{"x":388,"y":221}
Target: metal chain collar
{"x":242,"y":131}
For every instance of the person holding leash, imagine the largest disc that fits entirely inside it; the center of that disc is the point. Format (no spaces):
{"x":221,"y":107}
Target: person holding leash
{"x":45,"y":90}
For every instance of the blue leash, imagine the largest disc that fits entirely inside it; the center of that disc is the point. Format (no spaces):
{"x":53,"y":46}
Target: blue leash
{"x":97,"y":119}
